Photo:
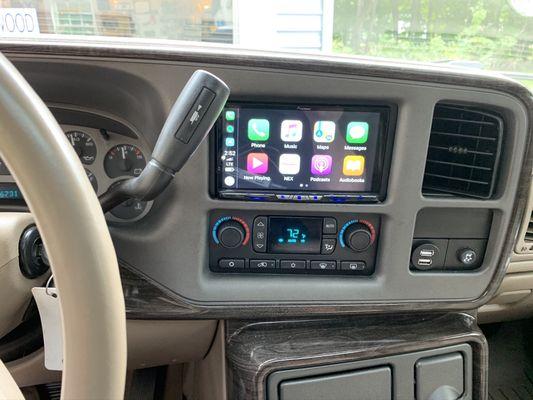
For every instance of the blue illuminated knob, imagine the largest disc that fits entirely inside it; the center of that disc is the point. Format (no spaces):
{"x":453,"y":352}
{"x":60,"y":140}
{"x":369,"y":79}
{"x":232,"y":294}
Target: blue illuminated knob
{"x":358,"y":237}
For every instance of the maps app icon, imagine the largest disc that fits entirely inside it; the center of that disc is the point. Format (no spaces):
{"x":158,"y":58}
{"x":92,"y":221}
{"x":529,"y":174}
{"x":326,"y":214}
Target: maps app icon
{"x":324,"y":131}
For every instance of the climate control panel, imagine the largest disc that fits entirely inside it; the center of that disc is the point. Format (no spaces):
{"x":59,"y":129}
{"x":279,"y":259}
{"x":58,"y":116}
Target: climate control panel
{"x":333,"y":244}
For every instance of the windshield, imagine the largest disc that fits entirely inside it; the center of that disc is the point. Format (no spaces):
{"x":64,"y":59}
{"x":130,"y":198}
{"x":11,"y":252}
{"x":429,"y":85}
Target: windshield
{"x":492,"y":35}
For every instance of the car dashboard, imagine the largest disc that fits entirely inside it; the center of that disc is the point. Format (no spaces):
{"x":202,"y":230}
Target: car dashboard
{"x":327,"y":186}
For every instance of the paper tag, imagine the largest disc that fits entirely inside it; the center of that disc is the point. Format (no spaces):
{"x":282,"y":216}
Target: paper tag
{"x":50,"y":312}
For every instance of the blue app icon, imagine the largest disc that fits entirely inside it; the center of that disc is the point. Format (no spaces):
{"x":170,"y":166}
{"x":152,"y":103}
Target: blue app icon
{"x":230,"y":142}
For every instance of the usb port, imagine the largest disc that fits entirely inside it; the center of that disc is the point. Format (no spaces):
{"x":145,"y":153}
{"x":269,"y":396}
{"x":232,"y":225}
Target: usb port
{"x":427,"y":253}
{"x":425,"y":262}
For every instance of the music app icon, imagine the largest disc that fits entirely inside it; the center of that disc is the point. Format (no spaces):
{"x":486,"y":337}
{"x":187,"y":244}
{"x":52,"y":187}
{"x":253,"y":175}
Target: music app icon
{"x":291,"y":130}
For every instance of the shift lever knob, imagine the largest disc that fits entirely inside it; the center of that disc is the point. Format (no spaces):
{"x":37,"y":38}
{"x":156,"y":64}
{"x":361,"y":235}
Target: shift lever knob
{"x":195,"y":111}
{"x":191,"y":118}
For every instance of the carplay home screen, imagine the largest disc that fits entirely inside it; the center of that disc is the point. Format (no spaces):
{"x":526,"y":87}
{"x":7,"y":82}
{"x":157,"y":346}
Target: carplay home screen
{"x":298,"y":149}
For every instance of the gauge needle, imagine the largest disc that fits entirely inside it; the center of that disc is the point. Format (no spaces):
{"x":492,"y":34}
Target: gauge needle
{"x":123,"y":153}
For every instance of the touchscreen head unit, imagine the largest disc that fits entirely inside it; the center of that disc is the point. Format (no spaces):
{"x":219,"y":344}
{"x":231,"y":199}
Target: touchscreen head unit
{"x":302,"y":153}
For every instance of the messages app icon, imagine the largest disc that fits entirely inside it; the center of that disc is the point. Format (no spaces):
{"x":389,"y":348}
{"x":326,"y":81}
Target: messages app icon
{"x":357,"y":132}
{"x":258,"y":129}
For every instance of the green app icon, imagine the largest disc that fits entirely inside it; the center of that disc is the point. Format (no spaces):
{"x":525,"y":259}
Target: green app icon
{"x":357,"y":132}
{"x":230,"y":115}
{"x":258,"y":129}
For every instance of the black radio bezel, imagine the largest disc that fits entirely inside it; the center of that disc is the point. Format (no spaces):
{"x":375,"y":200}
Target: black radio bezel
{"x":388,"y":115}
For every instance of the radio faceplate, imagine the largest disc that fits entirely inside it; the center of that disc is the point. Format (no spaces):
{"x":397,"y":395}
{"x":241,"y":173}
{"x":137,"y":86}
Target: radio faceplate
{"x":294,"y":243}
{"x":302,"y":153}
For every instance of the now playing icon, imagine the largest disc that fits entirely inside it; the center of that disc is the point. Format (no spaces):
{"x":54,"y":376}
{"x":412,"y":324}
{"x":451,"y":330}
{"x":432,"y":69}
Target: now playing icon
{"x":257,"y":163}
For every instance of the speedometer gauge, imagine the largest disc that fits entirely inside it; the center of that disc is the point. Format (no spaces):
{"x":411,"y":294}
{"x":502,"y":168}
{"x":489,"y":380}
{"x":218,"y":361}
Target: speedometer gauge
{"x":83,"y":145}
{"x":124,"y":160}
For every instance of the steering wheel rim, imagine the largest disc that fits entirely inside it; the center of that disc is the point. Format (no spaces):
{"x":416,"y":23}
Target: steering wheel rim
{"x":74,"y":231}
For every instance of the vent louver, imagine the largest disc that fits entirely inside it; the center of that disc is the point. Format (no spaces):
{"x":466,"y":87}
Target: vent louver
{"x":464,"y":151}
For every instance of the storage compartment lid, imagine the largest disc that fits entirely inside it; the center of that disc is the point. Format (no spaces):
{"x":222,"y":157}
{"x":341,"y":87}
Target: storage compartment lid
{"x":373,"y":383}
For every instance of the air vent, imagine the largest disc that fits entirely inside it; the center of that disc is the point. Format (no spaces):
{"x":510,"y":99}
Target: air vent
{"x":464,"y":151}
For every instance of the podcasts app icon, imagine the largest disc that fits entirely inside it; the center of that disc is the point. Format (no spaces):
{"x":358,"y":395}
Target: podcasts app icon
{"x":321,"y":164}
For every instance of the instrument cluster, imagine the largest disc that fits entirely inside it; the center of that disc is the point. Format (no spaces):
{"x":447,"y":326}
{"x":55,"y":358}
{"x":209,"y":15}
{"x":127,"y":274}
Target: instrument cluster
{"x":107,"y":158}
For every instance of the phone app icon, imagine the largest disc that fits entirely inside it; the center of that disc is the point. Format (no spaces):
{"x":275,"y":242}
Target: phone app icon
{"x":324,"y":131}
{"x":321,"y":164}
{"x":289,"y":164}
{"x":357,"y":132}
{"x":230,"y":115}
{"x":257,"y":163}
{"x":258,"y":129}
{"x":291,"y":130}
{"x":353,"y":165}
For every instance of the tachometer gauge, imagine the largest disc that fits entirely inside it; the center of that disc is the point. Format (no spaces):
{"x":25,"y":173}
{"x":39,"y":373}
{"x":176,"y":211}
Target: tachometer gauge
{"x":124,"y":160}
{"x":92,"y":179}
{"x":83,"y":145}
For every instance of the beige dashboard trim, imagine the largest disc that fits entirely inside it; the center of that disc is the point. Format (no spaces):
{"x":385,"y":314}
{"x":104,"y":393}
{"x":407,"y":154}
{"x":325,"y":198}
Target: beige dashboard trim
{"x":8,"y":387}
{"x":150,"y":343}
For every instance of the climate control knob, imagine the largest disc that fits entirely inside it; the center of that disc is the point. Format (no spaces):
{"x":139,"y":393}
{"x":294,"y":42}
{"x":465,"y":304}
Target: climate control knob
{"x":358,"y":236}
{"x":231,"y":234}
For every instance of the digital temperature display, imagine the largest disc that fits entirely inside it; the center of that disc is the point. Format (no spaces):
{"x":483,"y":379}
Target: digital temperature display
{"x":294,"y":235}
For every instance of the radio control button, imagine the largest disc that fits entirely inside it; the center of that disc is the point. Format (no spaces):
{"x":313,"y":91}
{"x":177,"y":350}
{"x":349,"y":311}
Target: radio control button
{"x":353,"y":265}
{"x":262,"y":264}
{"x":330,"y":226}
{"x":292,"y":264}
{"x":324,"y":265}
{"x":328,"y":246}
{"x":231,"y":263}
{"x":259,"y":234}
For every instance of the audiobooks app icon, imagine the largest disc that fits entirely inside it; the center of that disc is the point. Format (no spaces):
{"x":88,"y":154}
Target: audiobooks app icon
{"x":353,"y":165}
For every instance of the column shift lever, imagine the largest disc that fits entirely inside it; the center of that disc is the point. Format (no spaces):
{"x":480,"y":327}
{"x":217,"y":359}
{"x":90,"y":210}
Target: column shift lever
{"x":192,"y":116}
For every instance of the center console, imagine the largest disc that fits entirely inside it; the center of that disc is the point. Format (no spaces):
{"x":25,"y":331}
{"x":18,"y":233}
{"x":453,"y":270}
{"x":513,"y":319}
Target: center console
{"x":299,"y":153}
{"x":439,"y":356}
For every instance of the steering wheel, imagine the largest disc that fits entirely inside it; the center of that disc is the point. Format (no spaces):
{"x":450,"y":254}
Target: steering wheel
{"x":74,"y":231}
